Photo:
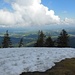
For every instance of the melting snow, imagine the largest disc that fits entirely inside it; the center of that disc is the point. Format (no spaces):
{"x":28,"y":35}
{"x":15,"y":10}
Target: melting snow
{"x":14,"y":61}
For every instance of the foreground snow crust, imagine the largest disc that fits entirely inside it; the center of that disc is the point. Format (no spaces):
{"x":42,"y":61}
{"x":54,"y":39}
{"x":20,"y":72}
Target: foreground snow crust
{"x":14,"y":61}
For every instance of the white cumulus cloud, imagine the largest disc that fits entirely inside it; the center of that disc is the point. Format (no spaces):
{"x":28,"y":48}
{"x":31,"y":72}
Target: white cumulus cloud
{"x":69,"y":20}
{"x":28,"y":12}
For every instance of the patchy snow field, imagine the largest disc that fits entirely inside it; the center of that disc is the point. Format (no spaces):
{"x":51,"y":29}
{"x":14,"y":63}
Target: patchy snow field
{"x":14,"y":61}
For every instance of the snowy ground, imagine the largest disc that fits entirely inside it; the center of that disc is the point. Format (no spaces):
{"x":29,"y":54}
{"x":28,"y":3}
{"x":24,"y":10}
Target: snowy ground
{"x":14,"y":61}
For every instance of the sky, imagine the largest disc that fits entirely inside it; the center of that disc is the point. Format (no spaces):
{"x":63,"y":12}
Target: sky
{"x":64,"y":8}
{"x":21,"y":13}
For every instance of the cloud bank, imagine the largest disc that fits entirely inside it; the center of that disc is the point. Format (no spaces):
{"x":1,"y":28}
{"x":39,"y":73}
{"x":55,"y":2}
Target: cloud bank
{"x":29,"y":12}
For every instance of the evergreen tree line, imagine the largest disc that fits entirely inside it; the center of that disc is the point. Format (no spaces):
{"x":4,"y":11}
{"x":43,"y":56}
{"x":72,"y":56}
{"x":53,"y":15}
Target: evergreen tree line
{"x":42,"y":41}
{"x":61,"y":41}
{"x":6,"y":43}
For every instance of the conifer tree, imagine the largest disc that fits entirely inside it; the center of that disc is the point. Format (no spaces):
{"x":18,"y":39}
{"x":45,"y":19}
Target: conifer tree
{"x":40,"y":40}
{"x":21,"y":42}
{"x":63,"y":39}
{"x":6,"y":41}
{"x":49,"y":42}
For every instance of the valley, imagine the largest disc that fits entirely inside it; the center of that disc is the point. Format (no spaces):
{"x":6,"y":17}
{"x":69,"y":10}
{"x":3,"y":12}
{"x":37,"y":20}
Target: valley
{"x":30,"y":37}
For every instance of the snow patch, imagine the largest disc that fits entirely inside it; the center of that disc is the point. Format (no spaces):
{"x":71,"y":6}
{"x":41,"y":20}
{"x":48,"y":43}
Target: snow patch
{"x":14,"y":61}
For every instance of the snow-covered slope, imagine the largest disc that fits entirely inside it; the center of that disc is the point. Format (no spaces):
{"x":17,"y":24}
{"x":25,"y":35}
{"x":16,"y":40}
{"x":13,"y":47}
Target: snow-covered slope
{"x":14,"y":61}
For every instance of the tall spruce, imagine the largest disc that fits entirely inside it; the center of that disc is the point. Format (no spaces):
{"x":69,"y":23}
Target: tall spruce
{"x":6,"y":41}
{"x":21,"y":42}
{"x":41,"y":39}
{"x":63,"y":39}
{"x":49,"y":42}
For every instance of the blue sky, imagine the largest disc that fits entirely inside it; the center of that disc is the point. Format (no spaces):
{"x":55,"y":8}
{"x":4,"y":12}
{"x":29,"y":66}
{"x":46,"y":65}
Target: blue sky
{"x":5,"y":5}
{"x":61,"y":7}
